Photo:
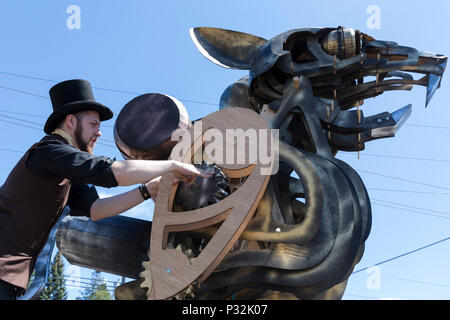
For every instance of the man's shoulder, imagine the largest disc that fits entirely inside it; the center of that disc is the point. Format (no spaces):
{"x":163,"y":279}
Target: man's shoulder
{"x":53,"y":138}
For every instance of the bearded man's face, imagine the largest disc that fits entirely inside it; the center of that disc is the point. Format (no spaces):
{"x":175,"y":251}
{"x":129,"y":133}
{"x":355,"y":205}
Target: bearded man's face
{"x":87,"y":130}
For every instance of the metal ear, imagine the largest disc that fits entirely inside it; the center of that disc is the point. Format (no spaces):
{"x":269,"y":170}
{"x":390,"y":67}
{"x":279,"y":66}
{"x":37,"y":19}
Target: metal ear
{"x":227,"y":48}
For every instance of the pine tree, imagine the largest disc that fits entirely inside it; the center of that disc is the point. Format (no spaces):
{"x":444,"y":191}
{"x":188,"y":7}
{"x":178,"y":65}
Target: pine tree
{"x":96,"y":290}
{"x":55,"y":288}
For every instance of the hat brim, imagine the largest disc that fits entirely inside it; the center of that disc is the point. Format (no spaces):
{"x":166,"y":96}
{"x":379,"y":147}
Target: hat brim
{"x":73,"y":107}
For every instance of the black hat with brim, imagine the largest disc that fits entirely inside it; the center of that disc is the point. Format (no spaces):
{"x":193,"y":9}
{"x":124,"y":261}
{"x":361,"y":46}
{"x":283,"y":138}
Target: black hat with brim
{"x":72,"y":96}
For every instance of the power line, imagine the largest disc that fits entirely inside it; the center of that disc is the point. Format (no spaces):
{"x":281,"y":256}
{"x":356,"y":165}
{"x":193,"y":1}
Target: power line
{"x":409,"y":191}
{"x":409,"y":210}
{"x":94,"y":87}
{"x":10,"y":150}
{"x":72,"y":278}
{"x":86,"y":287}
{"x":39,"y":129}
{"x":403,"y":158}
{"x":402,"y":179}
{"x":20,"y":124}
{"x":14,"y":118}
{"x":402,"y":255}
{"x":37,"y":123}
{"x":359,"y":296}
{"x":418,"y":281}
{"x":24,"y":92}
{"x":426,"y":126}
{"x":35,"y":116}
{"x":413,"y":207}
{"x":23,"y":114}
{"x":363,"y":154}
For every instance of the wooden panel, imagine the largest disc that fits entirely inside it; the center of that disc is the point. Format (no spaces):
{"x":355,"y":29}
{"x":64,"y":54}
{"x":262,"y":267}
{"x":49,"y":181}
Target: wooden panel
{"x":171,"y":270}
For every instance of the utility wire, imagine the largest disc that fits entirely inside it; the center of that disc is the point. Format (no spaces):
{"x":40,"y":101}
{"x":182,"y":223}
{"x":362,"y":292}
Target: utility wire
{"x":23,"y":114}
{"x":38,"y":124}
{"x":20,"y":124}
{"x":418,"y":281}
{"x":413,"y":207}
{"x":402,"y":179}
{"x":410,"y":191}
{"x":363,"y":154}
{"x":72,"y":278}
{"x":409,"y":210}
{"x":24,"y":92}
{"x":10,"y":150}
{"x":34,"y":115}
{"x":426,"y":126}
{"x":94,"y":87}
{"x":402,"y":255}
{"x":403,"y":158}
{"x":359,"y":296}
{"x":40,"y":129}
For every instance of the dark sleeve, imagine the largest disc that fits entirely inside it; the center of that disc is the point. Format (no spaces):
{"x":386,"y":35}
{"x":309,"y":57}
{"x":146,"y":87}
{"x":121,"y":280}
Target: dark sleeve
{"x":54,"y":159}
{"x":81,"y":198}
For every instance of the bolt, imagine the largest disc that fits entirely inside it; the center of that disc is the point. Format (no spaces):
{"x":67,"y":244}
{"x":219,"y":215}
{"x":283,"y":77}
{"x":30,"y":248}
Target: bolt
{"x":296,"y":82}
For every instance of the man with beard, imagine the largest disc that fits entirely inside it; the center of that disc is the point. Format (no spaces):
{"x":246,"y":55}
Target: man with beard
{"x":61,"y":170}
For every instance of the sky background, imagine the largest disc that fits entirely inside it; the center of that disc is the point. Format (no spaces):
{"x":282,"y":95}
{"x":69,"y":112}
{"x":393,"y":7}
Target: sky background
{"x":127,"y":48}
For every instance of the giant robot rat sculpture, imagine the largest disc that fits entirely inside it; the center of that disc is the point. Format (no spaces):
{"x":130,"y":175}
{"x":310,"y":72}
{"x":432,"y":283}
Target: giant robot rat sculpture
{"x":304,"y":82}
{"x":306,"y":231}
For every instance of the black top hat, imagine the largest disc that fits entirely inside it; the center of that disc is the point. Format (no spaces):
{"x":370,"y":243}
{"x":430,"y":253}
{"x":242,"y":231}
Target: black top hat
{"x":72,"y":96}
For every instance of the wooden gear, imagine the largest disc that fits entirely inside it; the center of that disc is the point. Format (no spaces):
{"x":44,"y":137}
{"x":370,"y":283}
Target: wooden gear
{"x":171,"y":270}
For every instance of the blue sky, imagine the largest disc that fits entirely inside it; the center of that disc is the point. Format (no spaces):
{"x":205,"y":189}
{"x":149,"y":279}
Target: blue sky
{"x":136,"y":46}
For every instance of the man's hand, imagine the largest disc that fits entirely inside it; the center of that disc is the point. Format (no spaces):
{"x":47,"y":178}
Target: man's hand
{"x":153,"y":187}
{"x":187,"y":172}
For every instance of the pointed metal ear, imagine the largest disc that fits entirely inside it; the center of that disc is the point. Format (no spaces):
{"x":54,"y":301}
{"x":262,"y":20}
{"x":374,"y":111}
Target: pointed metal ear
{"x":227,"y":48}
{"x":434,"y":82}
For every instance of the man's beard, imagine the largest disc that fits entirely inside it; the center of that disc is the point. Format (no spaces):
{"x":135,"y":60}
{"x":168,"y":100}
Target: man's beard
{"x":83,"y":146}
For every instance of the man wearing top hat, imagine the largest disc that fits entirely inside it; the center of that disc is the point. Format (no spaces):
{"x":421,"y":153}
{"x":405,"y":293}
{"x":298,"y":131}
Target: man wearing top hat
{"x":61,"y":170}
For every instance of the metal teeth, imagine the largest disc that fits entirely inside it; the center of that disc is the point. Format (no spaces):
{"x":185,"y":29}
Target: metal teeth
{"x":147,"y":276}
{"x":189,"y":253}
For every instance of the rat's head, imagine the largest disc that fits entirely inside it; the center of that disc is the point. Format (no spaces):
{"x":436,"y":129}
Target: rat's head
{"x":344,"y":67}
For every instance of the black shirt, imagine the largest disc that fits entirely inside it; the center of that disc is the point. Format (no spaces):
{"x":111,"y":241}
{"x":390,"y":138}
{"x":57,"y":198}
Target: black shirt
{"x":53,"y":158}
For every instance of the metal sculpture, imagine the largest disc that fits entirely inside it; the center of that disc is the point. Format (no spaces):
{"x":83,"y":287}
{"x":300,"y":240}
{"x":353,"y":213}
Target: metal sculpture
{"x":304,"y":82}
{"x":307,"y":233}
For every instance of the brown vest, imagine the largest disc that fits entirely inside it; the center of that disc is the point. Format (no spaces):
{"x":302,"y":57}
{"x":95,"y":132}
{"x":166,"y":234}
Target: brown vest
{"x":29,"y":207}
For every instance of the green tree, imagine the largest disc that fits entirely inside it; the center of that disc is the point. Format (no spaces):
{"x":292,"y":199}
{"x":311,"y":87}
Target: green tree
{"x":96,"y":290}
{"x":55,"y":288}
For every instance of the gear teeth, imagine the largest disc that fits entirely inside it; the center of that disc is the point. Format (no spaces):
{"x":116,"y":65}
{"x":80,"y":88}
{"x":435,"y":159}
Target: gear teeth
{"x":189,"y":292}
{"x":189,"y":253}
{"x":179,"y":296}
{"x":147,"y":276}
